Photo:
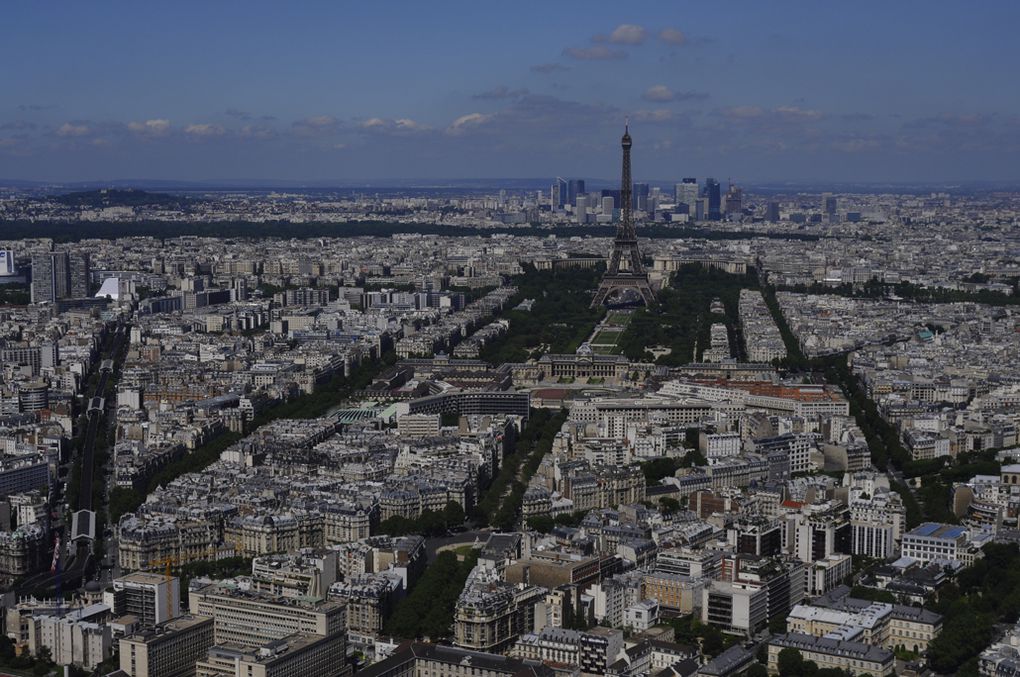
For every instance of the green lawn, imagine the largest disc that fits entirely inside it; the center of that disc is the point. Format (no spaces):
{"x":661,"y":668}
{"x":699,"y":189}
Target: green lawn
{"x":606,"y":337}
{"x":618,"y":319}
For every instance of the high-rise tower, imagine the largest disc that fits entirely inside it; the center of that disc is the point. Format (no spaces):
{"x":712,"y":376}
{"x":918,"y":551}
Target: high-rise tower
{"x":626,"y":269}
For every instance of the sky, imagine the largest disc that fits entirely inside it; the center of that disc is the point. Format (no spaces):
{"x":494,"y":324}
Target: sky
{"x":905,"y":91}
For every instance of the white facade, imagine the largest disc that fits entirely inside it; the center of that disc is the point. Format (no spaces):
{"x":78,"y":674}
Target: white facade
{"x":608,"y":597}
{"x":719,"y":445}
{"x":641,"y":616}
{"x":70,"y":641}
{"x":931,"y":541}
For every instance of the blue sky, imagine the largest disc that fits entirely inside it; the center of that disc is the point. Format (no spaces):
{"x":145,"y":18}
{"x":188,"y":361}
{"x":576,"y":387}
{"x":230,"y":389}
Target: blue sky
{"x":757,"y":91}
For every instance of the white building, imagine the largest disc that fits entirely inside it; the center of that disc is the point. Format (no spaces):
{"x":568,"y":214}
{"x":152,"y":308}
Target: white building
{"x":931,"y":541}
{"x":153,"y":598}
{"x":70,"y":639}
{"x":876,"y":523}
{"x":714,"y":446}
{"x":742,"y":607}
{"x":642,"y":615}
{"x":609,"y":599}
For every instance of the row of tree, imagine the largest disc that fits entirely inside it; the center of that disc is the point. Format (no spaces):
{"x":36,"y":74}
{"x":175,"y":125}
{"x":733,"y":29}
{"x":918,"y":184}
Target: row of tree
{"x":546,"y":523}
{"x":429,"y":523}
{"x":427,"y":612}
{"x":682,"y":318}
{"x":984,"y":594}
{"x":532,"y":447}
{"x":72,"y":231}
{"x":559,"y":320}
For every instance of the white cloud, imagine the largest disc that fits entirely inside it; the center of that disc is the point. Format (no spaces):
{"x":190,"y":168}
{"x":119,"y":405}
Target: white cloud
{"x":627,"y":34}
{"x":204,"y":130}
{"x":316,"y":124}
{"x":672,"y":36}
{"x":398,"y":126}
{"x":258,"y":132}
{"x":466,"y":122}
{"x":658,"y":93}
{"x":155,"y":127}
{"x":71,"y":130}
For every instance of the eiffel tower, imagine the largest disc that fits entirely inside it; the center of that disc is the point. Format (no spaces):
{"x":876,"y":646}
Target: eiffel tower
{"x":625,"y":247}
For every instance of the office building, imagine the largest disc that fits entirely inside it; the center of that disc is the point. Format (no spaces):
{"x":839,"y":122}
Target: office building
{"x":829,"y":204}
{"x":817,"y":531}
{"x":49,"y":277}
{"x":575,"y":189}
{"x":39,"y":357}
{"x":734,"y":201}
{"x":152,"y":598}
{"x":436,"y":660}
{"x":250,"y":619}
{"x":876,"y":524}
{"x":558,"y":194}
{"x":712,"y":193}
{"x":168,"y":650}
{"x":291,"y":656}
{"x":79,"y":272}
{"x":640,"y":198}
{"x":772,"y":212}
{"x":740,"y":607}
{"x":308,"y":572}
{"x":686,"y":192}
{"x":581,"y":209}
{"x":930,"y":542}
{"x":58,"y":275}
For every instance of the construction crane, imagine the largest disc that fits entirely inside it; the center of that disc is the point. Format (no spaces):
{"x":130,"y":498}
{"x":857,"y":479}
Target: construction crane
{"x":55,"y":569}
{"x":168,"y":563}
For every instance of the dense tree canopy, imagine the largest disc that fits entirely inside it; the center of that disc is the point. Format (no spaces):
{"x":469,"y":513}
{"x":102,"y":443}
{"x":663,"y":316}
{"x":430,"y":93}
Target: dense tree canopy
{"x":428,"y":610}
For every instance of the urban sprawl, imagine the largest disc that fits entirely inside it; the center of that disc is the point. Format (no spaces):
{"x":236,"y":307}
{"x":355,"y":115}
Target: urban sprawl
{"x":429,"y":453}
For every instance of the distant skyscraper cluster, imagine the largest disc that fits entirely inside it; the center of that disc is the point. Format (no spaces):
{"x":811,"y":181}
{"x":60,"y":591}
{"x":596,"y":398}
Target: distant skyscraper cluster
{"x":700,"y":203}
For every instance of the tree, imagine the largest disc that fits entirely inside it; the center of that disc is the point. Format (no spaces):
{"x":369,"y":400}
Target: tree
{"x":756,"y":670}
{"x":669,"y":505}
{"x":541,"y":523}
{"x":453,"y":513}
{"x":123,"y":501}
{"x":712,"y":643}
{"x":790,"y":663}
{"x":6,"y":648}
{"x":777,"y":625}
{"x":658,"y":468}
{"x":694,"y":458}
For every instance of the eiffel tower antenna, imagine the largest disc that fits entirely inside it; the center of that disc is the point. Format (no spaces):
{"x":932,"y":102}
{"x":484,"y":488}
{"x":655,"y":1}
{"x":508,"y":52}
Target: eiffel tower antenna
{"x":633,"y":276}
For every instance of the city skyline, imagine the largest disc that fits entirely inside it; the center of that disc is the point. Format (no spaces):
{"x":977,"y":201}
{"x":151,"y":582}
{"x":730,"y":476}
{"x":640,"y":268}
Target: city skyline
{"x":788,"y":91}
